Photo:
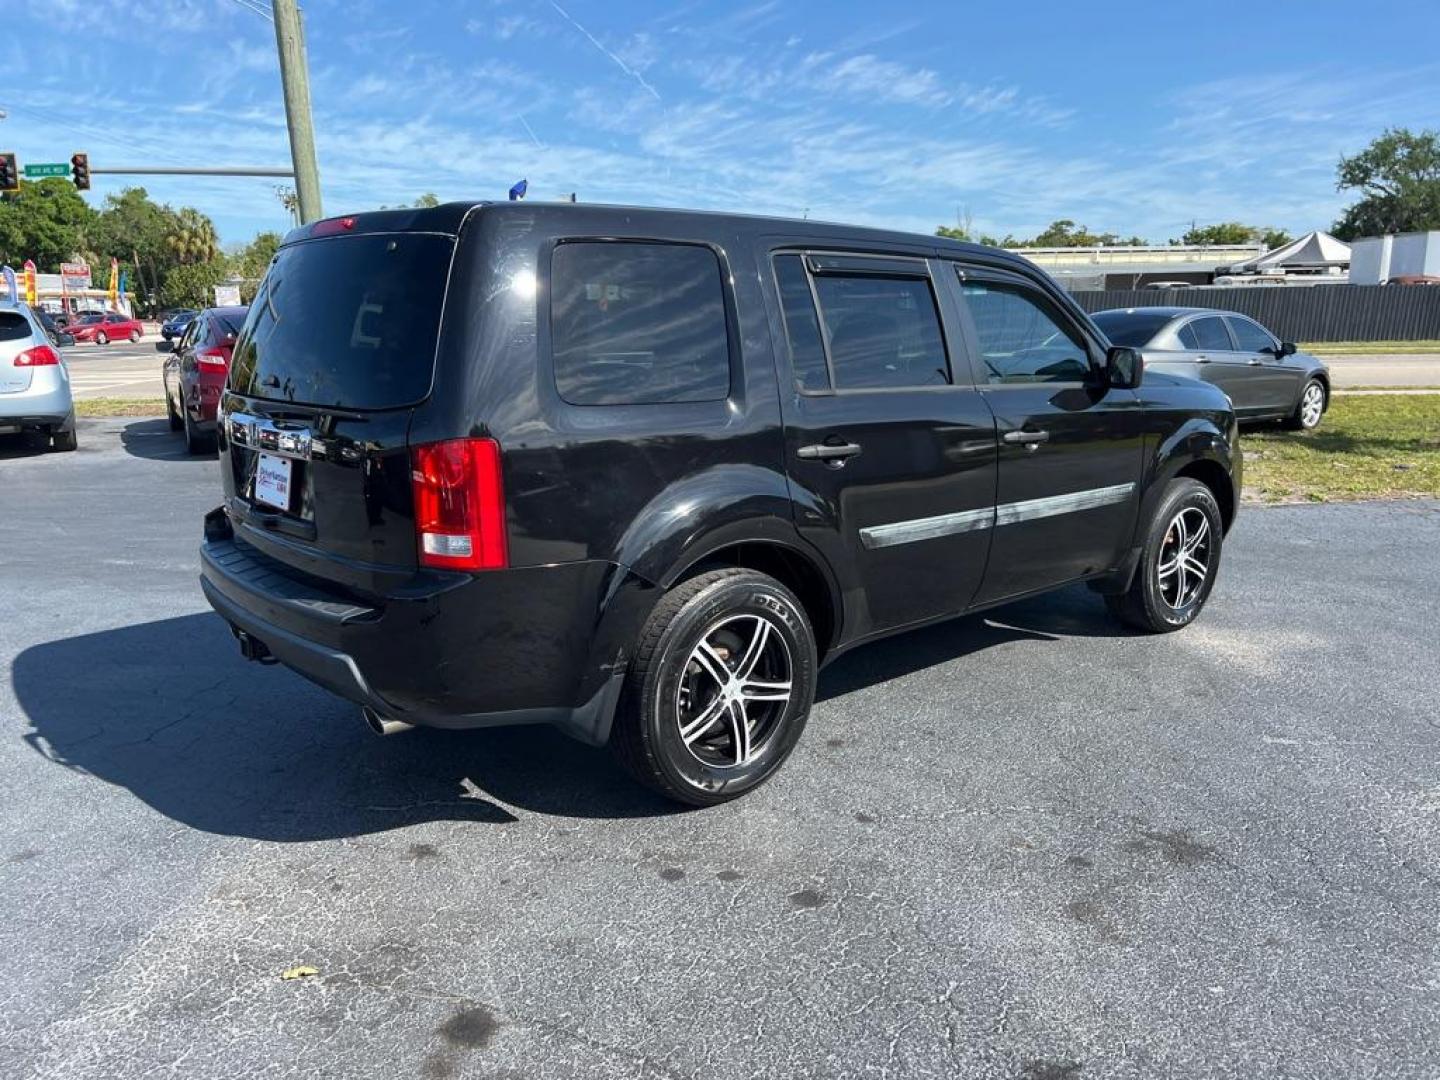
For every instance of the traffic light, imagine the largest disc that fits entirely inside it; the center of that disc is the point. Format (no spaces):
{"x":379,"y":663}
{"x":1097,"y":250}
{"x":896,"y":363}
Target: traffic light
{"x":80,"y":171}
{"x":9,"y":173}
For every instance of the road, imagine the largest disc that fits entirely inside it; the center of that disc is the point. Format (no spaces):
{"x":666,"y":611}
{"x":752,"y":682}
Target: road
{"x":1024,"y":846}
{"x":118,"y":370}
{"x":133,"y":371}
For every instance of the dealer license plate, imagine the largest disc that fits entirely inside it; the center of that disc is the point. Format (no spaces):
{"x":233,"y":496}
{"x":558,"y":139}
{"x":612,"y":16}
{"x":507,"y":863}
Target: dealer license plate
{"x":272,"y":481}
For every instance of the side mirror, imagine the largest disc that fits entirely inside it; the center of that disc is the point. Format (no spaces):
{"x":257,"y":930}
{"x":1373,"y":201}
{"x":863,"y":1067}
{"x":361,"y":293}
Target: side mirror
{"x":1287,"y":348}
{"x":164,"y":346}
{"x":1124,"y":367}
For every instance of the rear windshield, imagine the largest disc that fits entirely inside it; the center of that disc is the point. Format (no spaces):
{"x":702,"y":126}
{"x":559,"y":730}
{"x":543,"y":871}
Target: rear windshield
{"x":347,"y":322}
{"x":13,"y":326}
{"x":1133,"y":329}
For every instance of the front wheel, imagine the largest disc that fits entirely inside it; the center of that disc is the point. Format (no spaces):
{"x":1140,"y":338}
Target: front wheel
{"x":1178,"y":563}
{"x":1309,"y":409}
{"x":720,"y":688}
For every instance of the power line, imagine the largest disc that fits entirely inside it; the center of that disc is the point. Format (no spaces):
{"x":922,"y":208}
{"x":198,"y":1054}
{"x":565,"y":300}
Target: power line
{"x":254,"y":6}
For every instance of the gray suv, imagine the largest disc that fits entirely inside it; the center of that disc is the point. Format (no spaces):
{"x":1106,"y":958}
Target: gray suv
{"x":34,"y":382}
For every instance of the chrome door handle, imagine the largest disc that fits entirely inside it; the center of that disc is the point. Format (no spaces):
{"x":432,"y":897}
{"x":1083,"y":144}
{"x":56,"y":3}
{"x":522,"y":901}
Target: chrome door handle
{"x":1255,"y":363}
{"x":1202,"y":359}
{"x":1027,"y":438}
{"x":828,"y":451}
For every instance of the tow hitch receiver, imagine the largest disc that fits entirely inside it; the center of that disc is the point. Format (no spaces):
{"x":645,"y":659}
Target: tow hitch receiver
{"x":252,"y":648}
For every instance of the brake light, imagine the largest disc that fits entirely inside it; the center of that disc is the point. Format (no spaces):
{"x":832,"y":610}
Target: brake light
{"x":40,"y":356}
{"x":459,"y":504}
{"x":330,"y":226}
{"x":212,"y":360}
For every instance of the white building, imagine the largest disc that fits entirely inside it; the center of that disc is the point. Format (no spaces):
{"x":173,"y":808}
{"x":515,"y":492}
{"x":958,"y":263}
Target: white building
{"x":1375,"y":260}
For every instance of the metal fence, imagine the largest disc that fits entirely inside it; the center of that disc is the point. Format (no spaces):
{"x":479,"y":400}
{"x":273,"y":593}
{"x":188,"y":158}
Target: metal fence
{"x":1304,"y":313}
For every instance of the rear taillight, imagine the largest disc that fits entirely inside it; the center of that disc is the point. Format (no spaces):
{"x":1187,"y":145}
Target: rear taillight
{"x":40,"y":356}
{"x":459,"y":504}
{"x":211,"y":360}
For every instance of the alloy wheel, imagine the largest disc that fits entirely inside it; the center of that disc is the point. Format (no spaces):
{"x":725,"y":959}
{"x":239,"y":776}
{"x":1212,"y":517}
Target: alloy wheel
{"x":1184,"y":564}
{"x":1312,"y":404}
{"x":734,"y":691}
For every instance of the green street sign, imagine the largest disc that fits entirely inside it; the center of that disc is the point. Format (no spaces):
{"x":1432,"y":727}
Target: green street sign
{"x":39,"y":172}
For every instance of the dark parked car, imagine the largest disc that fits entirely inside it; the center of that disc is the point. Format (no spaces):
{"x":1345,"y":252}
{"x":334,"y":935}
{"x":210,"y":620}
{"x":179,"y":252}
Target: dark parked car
{"x":176,"y":323}
{"x":639,"y":473}
{"x":1266,"y":378}
{"x":194,"y":374}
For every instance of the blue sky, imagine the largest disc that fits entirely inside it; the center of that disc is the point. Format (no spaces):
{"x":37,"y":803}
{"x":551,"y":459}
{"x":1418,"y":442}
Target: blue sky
{"x":895,"y":114}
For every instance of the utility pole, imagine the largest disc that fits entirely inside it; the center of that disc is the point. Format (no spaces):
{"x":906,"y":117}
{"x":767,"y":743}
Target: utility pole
{"x":295,"y":78}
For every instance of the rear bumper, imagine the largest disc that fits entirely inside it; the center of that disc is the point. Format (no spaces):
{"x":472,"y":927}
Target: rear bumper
{"x":449,"y":650}
{"x":46,"y":403}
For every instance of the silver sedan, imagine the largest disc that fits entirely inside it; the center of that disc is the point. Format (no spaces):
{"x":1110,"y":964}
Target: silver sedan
{"x":1266,"y":378}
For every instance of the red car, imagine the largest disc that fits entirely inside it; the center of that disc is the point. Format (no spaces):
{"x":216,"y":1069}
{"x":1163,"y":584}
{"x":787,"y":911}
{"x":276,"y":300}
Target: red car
{"x":195,"y":373}
{"x":103,"y":329}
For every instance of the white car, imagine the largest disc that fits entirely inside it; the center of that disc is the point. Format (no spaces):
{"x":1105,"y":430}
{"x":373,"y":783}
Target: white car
{"x":34,"y":382}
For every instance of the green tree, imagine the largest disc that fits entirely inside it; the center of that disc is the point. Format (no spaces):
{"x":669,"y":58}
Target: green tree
{"x":1234,"y":232}
{"x":1398,"y":178}
{"x":193,"y":284}
{"x":192,"y":238}
{"x":46,"y":220}
{"x":134,"y":228}
{"x":1065,"y":233}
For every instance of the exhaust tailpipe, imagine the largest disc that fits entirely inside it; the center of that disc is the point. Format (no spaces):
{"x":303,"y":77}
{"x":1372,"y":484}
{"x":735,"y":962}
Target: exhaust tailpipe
{"x":381,"y":725}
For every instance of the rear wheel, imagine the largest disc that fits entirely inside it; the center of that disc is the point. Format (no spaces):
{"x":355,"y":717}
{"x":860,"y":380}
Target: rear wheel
{"x":1309,"y":409}
{"x":195,"y":443}
{"x":720,"y":688}
{"x":1178,"y":562}
{"x":64,"y":440}
{"x":101,"y":338}
{"x":134,"y":336}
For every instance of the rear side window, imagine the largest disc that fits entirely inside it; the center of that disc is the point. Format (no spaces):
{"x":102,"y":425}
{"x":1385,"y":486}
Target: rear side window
{"x":1206,"y":333}
{"x":347,"y":322}
{"x":1248,"y":336}
{"x":883,"y":332}
{"x":638,"y":324}
{"x":802,"y":325}
{"x":13,"y":326}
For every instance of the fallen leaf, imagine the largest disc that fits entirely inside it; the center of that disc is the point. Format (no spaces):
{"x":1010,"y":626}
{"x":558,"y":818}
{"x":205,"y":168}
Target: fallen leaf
{"x":300,"y":971}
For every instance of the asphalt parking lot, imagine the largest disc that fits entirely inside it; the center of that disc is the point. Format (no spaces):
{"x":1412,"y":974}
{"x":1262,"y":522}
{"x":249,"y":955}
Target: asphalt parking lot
{"x":1027,"y":845}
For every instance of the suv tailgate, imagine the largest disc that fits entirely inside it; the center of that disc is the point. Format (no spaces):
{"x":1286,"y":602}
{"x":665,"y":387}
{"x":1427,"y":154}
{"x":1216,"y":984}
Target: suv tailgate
{"x":337,"y":349}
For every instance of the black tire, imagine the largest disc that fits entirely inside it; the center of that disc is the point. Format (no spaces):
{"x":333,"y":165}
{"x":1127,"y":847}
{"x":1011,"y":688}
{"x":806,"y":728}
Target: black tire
{"x":1297,"y":420}
{"x":1150,"y":603}
{"x":63,"y":441}
{"x":664,"y":676}
{"x":134,"y":336}
{"x":176,"y":424}
{"x":101,"y":338}
{"x":195,"y":443}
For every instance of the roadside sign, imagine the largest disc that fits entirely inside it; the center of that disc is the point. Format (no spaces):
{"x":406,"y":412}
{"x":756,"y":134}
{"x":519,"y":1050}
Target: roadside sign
{"x":75,"y":275}
{"x":227,"y":295}
{"x":39,"y":172}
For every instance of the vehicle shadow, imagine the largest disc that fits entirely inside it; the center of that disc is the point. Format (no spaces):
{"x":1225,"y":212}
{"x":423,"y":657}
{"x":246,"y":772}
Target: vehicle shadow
{"x":169,"y":711}
{"x":25,"y":444}
{"x":1072,"y":612}
{"x":154,"y":441}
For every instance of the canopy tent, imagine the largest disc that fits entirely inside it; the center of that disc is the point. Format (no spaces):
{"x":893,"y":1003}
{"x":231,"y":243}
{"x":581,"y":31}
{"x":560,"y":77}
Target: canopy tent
{"x":1313,"y":251}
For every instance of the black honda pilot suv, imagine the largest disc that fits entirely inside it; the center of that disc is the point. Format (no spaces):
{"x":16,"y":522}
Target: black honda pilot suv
{"x":640,"y":473}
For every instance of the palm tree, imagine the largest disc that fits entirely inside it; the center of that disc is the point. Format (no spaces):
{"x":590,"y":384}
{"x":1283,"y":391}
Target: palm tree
{"x":193,"y":238}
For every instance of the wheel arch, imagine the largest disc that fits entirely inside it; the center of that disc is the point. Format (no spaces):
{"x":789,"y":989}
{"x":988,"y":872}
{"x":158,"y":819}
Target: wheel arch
{"x":1201,"y":451}
{"x":802,"y":572}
